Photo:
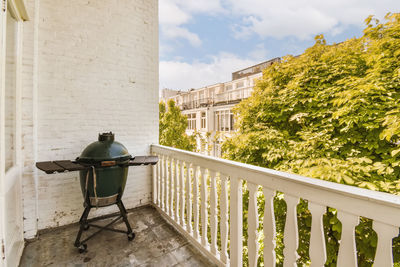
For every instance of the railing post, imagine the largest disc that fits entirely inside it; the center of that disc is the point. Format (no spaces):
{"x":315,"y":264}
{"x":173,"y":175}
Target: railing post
{"x":189,"y":198}
{"x":252,"y":242}
{"x":384,"y":254}
{"x":213,"y":212}
{"x":347,"y":255}
{"x":269,"y":228}
{"x":317,"y":239}
{"x":182,"y":193}
{"x":204,"y":209}
{"x":291,"y":234}
{"x":196,"y":203}
{"x":236,"y":221}
{"x":155,"y":179}
{"x":224,"y":219}
{"x":176,"y":192}
{"x":171,"y":187}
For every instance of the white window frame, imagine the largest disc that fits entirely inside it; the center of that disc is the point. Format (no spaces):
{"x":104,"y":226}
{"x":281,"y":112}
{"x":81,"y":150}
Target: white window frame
{"x":10,"y":181}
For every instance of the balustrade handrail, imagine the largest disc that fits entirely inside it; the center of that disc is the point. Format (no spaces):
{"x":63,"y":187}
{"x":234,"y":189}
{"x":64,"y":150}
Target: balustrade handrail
{"x":247,"y":172}
{"x":351,"y":203}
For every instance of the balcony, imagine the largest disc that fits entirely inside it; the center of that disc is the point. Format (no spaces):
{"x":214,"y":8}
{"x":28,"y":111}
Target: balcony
{"x":203,"y":102}
{"x":196,"y":219}
{"x":233,"y":96}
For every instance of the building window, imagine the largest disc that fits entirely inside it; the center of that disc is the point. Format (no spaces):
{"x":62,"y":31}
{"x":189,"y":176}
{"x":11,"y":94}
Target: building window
{"x":224,"y":120}
{"x":228,"y":87}
{"x":203,"y":120}
{"x":191,"y":121}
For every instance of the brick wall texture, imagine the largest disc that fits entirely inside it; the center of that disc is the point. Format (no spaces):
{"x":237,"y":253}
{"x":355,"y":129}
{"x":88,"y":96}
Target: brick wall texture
{"x":88,"y":67}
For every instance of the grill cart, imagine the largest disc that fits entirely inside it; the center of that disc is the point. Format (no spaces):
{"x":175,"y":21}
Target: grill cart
{"x":103,"y":170}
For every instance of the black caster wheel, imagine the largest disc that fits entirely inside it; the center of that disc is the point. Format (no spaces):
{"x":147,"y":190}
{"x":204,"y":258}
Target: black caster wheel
{"x":86,"y":227}
{"x":131,"y":236}
{"x":82,"y":248}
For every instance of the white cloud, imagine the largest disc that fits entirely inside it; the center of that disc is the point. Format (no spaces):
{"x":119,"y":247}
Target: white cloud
{"x":259,"y":53}
{"x":303,"y":18}
{"x":183,"y":76}
{"x":180,"y":32}
{"x":174,"y":14}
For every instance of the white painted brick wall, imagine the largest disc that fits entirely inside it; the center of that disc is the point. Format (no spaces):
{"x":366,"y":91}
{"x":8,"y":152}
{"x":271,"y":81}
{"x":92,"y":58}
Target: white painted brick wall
{"x":97,"y":71}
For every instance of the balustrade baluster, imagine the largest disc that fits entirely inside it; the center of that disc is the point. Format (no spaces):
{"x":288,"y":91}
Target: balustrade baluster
{"x":166,"y":177}
{"x":252,"y":242}
{"x":213,"y":211}
{"x":196,"y":202}
{"x":171,"y":186}
{"x":269,"y":228}
{"x":236,"y":222}
{"x":291,"y":239}
{"x":176,"y":188}
{"x":317,"y":239}
{"x":204,"y":207}
{"x":224,"y":219}
{"x":159,"y":178}
{"x":189,"y":199}
{"x":384,"y":254}
{"x":162,"y":197}
{"x":182,"y":193}
{"x":347,"y":250}
{"x":155,"y":178}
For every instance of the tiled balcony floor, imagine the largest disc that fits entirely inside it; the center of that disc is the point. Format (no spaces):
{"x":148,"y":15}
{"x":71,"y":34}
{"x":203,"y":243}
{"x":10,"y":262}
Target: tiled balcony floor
{"x":156,"y":244}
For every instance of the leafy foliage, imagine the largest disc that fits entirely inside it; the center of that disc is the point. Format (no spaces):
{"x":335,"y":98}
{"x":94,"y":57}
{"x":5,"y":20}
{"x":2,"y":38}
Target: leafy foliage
{"x":173,"y":126}
{"x":332,"y":113}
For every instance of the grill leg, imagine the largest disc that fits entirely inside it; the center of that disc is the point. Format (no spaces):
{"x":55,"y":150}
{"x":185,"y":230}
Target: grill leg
{"x":125,"y":218}
{"x":83,"y":224}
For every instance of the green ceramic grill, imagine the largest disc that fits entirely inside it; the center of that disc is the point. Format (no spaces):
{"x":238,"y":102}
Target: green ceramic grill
{"x":103,"y":169}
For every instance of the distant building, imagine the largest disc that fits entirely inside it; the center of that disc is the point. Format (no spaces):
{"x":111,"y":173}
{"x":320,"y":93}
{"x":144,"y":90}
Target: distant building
{"x":209,"y":109}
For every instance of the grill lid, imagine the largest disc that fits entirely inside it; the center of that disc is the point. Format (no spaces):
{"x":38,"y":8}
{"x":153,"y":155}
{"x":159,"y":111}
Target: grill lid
{"x":105,"y":151}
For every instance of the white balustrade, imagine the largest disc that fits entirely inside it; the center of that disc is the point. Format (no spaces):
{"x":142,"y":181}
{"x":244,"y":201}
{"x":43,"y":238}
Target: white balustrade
{"x":252,"y":242}
{"x":213,"y":212}
{"x":176,"y":192}
{"x":204,"y":208}
{"x":317,"y":239}
{"x":269,"y":228}
{"x":181,"y":175}
{"x":182,"y":193}
{"x":224,"y":219}
{"x":291,"y":239}
{"x":196,"y":233}
{"x":189,"y":172}
{"x":171,"y":186}
{"x":347,"y":250}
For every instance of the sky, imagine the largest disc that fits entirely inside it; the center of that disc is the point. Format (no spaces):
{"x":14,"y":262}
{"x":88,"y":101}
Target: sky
{"x":203,"y":41}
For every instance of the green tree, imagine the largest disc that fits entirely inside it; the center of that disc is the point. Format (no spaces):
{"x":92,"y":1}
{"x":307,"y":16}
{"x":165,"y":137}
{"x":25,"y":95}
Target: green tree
{"x":172,"y":129}
{"x":331,"y":113}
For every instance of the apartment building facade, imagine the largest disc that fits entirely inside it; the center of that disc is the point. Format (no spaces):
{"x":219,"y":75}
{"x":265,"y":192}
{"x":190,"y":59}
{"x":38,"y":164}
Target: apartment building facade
{"x":209,"y":109}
